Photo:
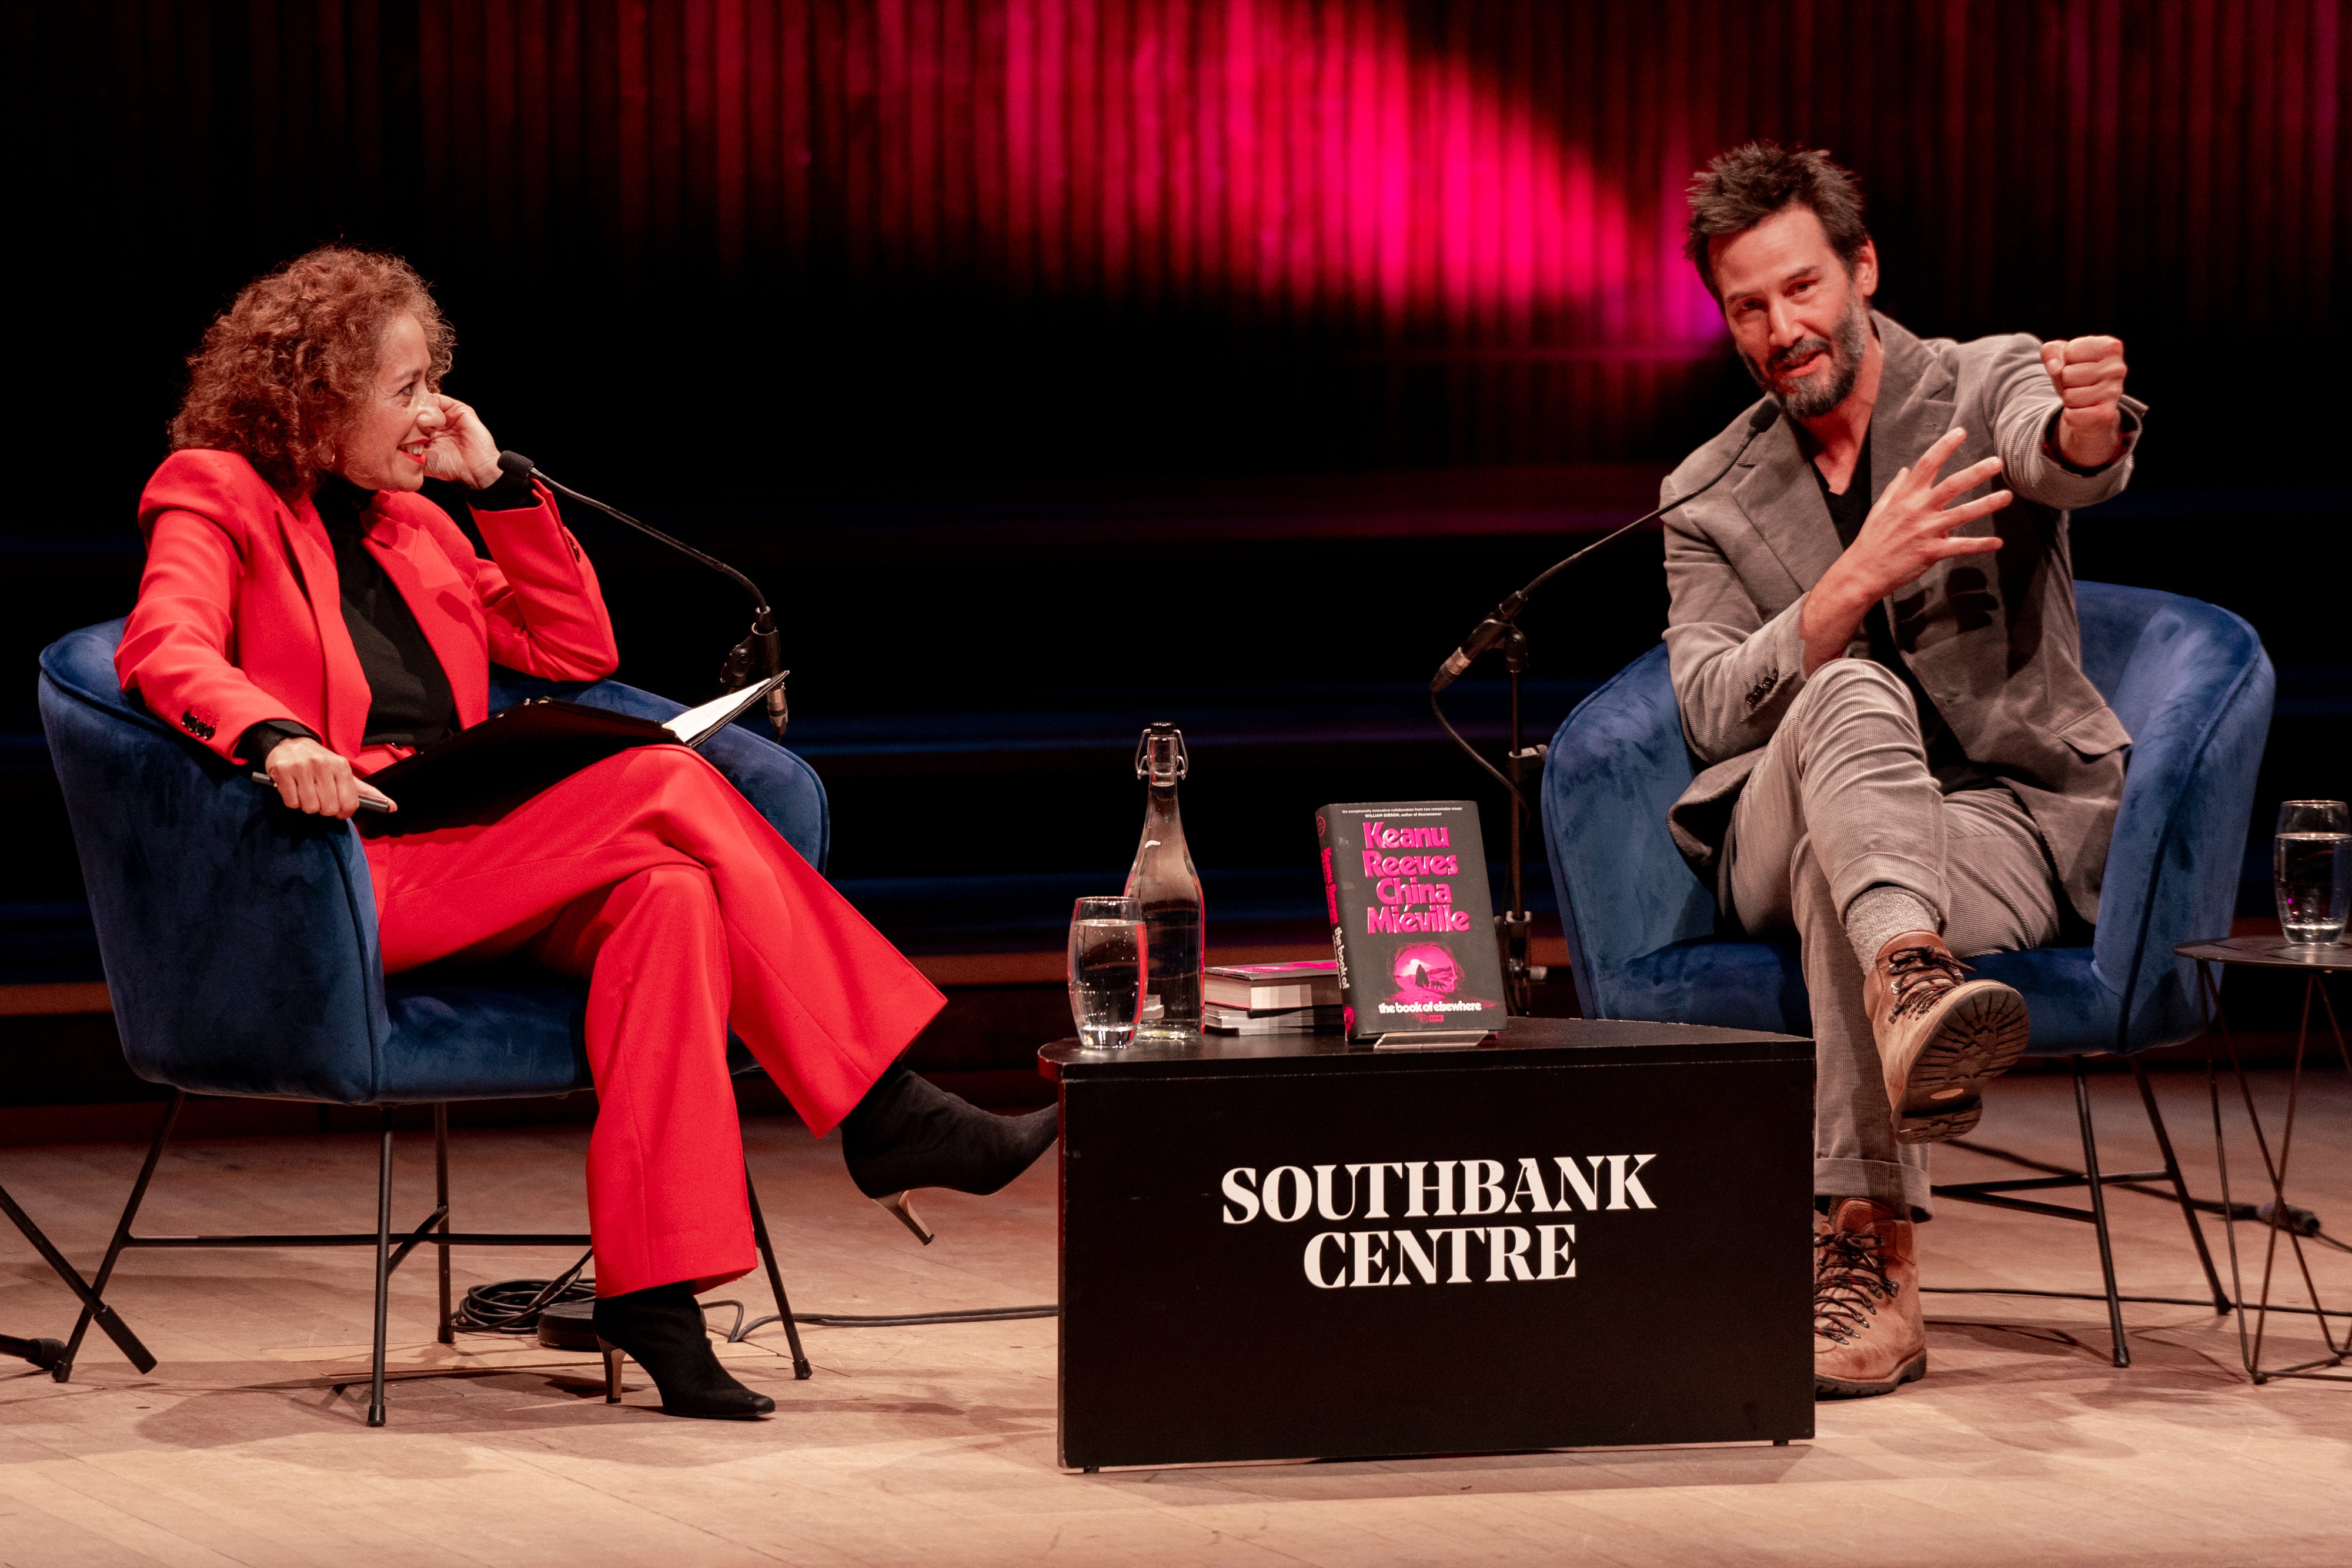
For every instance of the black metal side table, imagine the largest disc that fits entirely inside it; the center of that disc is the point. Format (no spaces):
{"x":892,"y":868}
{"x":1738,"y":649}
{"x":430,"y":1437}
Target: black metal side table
{"x":2317,"y":964}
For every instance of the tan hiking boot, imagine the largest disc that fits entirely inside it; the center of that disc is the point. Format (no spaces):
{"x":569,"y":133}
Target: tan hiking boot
{"x":1941,"y":1036}
{"x":1868,"y":1334}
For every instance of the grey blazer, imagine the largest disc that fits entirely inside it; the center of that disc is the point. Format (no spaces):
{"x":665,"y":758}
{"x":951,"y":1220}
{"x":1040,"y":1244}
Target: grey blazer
{"x":1993,"y":638}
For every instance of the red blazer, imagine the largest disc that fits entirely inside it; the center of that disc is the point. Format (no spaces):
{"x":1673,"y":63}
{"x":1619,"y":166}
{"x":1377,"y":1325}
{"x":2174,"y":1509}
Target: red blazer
{"x":240,"y":615}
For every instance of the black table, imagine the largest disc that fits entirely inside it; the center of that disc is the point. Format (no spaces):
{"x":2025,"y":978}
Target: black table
{"x":1581,"y":1233}
{"x":2317,"y":964}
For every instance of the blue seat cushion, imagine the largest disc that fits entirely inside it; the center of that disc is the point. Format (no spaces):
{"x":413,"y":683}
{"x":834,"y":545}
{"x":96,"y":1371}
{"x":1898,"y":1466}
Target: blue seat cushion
{"x":482,"y":1042}
{"x":494,"y":1040}
{"x":2073,"y":1011}
{"x":1735,"y":985}
{"x":1761,"y":986}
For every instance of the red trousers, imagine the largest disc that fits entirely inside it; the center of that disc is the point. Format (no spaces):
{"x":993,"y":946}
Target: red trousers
{"x":649,"y":877}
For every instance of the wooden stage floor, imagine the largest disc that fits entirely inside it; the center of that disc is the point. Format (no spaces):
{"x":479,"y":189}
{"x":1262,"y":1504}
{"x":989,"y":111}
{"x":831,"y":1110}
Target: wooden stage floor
{"x":935,"y":1445}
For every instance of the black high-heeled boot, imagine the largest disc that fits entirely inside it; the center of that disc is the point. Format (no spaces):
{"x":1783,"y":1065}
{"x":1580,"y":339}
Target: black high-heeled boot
{"x":907,"y":1134}
{"x":663,"y":1329}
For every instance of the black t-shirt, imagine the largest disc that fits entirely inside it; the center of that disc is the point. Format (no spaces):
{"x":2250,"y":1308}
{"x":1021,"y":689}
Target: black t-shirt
{"x":410,"y":703}
{"x":1849,"y":509}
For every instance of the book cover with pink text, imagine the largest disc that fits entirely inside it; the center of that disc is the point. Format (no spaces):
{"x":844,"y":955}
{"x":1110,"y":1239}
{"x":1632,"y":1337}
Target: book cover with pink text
{"x":1412,"y":924}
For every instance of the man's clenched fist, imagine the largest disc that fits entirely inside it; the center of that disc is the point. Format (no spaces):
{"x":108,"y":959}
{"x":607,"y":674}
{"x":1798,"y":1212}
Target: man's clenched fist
{"x":2089,"y":375}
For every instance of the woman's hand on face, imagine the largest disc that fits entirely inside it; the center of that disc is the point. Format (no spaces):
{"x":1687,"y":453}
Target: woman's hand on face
{"x":312,"y":779}
{"x":461,"y":449}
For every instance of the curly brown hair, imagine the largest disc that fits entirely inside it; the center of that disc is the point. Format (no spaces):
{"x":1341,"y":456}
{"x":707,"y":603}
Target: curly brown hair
{"x":278,"y":369}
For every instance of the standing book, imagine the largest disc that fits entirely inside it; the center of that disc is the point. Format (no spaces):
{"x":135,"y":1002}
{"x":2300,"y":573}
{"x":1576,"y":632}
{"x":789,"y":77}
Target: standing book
{"x":1413,"y":922}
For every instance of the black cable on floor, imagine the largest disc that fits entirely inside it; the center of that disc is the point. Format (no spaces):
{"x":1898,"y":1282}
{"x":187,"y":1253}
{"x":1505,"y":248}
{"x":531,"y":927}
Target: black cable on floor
{"x":742,"y":1331}
{"x":2300,"y":1222}
{"x":513,"y":1306}
{"x":2205,"y":1302}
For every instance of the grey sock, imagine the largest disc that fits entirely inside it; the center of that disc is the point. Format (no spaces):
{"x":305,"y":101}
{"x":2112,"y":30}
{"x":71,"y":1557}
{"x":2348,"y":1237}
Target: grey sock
{"x":1882,"y":912}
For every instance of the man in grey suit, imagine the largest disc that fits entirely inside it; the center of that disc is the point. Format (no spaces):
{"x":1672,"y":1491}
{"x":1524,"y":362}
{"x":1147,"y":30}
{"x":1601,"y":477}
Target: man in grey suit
{"x":1879,"y":671}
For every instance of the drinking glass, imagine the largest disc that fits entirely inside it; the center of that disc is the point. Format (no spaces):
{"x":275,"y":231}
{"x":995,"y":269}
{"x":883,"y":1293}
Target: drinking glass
{"x":2312,"y":860}
{"x":1107,"y":960}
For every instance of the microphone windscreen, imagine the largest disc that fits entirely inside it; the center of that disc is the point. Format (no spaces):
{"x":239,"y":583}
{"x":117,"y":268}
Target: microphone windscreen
{"x":1767,"y":413}
{"x":516,"y":463}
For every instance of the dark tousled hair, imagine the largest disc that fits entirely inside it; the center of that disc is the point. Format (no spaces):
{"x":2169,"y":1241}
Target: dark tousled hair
{"x":1741,"y":188}
{"x":280,"y":369}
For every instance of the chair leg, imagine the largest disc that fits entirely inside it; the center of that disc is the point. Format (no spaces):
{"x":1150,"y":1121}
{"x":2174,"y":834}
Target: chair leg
{"x":64,"y":1368}
{"x":2180,"y":1186}
{"x":46,"y":1354}
{"x":446,"y":1335}
{"x":375,"y":1415}
{"x":801,"y":1368}
{"x":2099,"y":1213}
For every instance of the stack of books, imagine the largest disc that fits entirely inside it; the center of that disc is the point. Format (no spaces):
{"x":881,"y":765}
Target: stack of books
{"x":1271,"y":998}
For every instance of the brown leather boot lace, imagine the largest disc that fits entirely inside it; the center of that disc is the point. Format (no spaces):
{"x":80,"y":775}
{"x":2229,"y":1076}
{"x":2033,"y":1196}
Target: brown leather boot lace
{"x":1920,"y":974}
{"x":1848,"y":1282}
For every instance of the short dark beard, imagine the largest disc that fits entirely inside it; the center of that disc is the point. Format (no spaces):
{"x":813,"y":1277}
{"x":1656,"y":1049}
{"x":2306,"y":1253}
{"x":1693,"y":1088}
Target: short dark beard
{"x":1845,"y":350}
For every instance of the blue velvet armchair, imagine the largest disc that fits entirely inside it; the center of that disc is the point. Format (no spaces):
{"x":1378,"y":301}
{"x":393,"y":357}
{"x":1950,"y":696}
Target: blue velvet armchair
{"x":240,"y":940}
{"x":2190,"y":682}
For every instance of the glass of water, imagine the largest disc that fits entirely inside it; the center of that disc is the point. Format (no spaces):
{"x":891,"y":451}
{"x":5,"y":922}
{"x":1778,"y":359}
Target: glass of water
{"x":2311,"y":859}
{"x":1107,"y":960}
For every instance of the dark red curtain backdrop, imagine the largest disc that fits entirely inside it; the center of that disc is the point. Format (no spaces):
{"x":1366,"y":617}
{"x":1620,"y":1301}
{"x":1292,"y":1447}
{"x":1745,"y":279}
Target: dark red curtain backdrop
{"x":1274,"y":233}
{"x":1059,"y":365}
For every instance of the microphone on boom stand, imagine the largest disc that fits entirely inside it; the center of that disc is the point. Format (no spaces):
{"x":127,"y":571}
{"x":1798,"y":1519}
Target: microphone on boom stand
{"x":764,"y":646}
{"x":1501,"y":628}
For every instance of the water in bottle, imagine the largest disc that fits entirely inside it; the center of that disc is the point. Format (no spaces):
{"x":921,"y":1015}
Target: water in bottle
{"x":1164,"y":882}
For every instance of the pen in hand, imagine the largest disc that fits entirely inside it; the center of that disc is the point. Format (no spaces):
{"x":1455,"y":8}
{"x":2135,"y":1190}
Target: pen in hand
{"x":370,"y":797}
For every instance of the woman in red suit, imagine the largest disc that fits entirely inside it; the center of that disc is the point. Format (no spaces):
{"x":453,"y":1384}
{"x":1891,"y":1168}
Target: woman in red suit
{"x":305,"y":611}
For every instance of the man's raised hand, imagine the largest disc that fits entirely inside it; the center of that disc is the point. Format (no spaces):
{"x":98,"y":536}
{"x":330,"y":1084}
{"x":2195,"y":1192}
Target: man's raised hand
{"x":2088,"y":373}
{"x":1908,"y":530}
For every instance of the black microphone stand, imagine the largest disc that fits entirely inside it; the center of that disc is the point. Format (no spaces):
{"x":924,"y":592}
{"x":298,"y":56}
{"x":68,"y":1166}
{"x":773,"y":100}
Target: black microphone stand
{"x":1516,"y":926}
{"x":765,"y":643}
{"x":1501,"y":630}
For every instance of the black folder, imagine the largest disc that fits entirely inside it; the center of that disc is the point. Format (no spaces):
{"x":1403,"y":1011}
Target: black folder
{"x":482,"y":772}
